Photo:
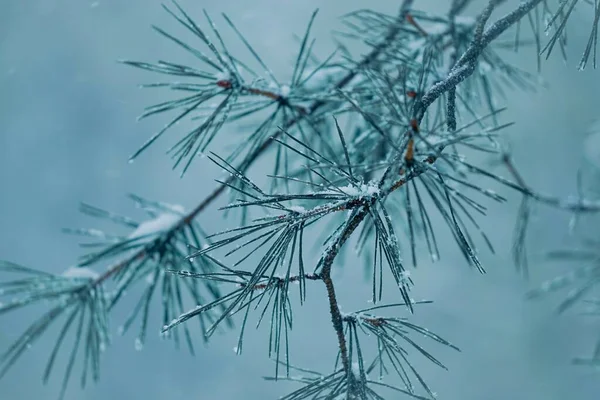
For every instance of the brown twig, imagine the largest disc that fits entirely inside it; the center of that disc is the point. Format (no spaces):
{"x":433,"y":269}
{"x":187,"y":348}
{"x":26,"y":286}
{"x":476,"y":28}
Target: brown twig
{"x":411,"y":20}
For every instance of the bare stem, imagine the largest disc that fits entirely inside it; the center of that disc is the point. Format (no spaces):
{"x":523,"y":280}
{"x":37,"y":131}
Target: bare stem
{"x":337,"y":321}
{"x":327,"y":263}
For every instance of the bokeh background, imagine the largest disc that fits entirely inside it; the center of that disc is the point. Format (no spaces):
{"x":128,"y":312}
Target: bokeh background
{"x":67,"y":127}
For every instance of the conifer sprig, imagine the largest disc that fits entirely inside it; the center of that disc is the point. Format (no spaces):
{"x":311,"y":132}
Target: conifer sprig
{"x":397,"y":149}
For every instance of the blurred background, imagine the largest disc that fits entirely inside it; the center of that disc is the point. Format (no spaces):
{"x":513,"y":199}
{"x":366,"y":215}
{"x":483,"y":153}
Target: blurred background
{"x":68,"y":125}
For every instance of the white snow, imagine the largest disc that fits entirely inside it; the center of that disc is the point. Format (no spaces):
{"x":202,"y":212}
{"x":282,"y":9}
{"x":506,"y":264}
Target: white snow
{"x":356,"y":369}
{"x":365,"y":189}
{"x":298,"y":209}
{"x":223,"y":76}
{"x":405,"y":275}
{"x":323,"y":78}
{"x":285,"y":91}
{"x":80,"y":272}
{"x":150,"y":278}
{"x":161,"y":223}
{"x":436,"y":29}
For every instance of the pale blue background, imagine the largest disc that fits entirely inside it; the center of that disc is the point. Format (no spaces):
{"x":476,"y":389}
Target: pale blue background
{"x":67,"y":126}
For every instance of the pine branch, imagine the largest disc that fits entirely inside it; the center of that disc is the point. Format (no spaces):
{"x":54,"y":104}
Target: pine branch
{"x":399,"y":135}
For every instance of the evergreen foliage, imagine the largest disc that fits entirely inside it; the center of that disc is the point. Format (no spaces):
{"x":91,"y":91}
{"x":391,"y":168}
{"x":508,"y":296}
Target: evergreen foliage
{"x":367,"y":151}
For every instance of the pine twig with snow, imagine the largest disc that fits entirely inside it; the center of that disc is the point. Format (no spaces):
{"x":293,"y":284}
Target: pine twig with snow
{"x":367,"y":149}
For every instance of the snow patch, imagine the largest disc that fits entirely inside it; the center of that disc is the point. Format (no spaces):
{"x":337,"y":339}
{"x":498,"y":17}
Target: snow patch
{"x":298,"y":209}
{"x":161,"y":223}
{"x":80,"y":273}
{"x":285,"y":91}
{"x":363,"y":190}
{"x":223,"y":76}
{"x":323,"y":78}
